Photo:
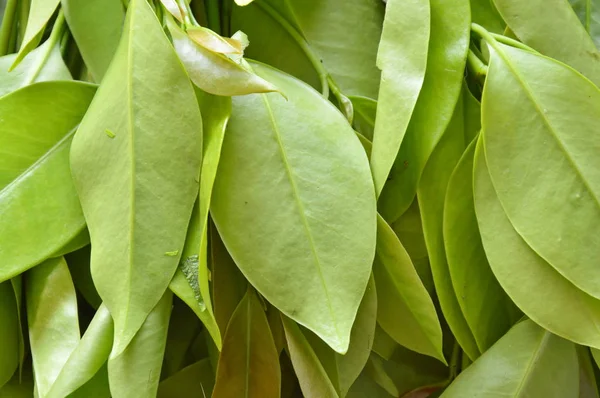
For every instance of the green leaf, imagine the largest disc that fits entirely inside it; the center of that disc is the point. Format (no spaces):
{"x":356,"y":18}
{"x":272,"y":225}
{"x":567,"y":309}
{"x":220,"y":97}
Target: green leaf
{"x":588,"y":12}
{"x":314,"y":380}
{"x":87,"y":358}
{"x":96,"y":27}
{"x":9,"y":319}
{"x":527,"y":362}
{"x":52,"y":319}
{"x":364,"y":116}
{"x":408,"y":315}
{"x":587,"y":379}
{"x":194,"y":380}
{"x":313,"y":213}
{"x":19,"y":386}
{"x":402,"y":19}
{"x":376,"y":371}
{"x":486,"y":308}
{"x":383,"y":344}
{"x":215,"y":73}
{"x":40,"y":13}
{"x":79,"y":267}
{"x":42,"y":64}
{"x":249,"y":364}
{"x":552,"y":28}
{"x":366,"y":387}
{"x":136,"y":180}
{"x":533,"y":284}
{"x":38,"y":123}
{"x":448,"y":45}
{"x":97,"y":387}
{"x":17,"y":285}
{"x":184,"y":327}
{"x":136,"y":371}
{"x":546,"y":159}
{"x":431,"y":192}
{"x":484,"y":13}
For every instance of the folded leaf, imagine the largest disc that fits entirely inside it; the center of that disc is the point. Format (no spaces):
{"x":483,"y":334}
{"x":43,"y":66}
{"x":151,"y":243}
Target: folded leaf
{"x":87,"y":358}
{"x":534,"y":285}
{"x":527,"y":362}
{"x":136,"y":371}
{"x":544,"y":166}
{"x":249,"y":363}
{"x":38,"y":123}
{"x":409,"y":316}
{"x":52,"y":319}
{"x":448,"y":45}
{"x":300,"y":228}
{"x":96,"y":27}
{"x":487,"y":309}
{"x":135,"y":161}
{"x":552,"y":28}
{"x":402,"y":64}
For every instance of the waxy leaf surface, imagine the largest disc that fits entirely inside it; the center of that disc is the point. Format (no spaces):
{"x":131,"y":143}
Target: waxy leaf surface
{"x":136,"y":161}
{"x":295,"y":206}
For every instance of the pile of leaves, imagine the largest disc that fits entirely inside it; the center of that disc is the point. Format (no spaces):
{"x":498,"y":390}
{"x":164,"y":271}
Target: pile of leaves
{"x":287,"y":198}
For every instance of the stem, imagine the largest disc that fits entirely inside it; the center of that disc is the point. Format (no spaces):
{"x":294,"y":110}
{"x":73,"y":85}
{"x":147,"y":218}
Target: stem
{"x":512,"y":42}
{"x":454,"y":361}
{"x":588,"y":15}
{"x":344,"y":103}
{"x":314,"y":60}
{"x":476,"y":66}
{"x":55,"y":37}
{"x":7,"y":26}
{"x":23,"y":17}
{"x":212,"y":12}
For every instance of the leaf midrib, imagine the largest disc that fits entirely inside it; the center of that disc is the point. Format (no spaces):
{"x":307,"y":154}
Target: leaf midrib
{"x":532,"y":361}
{"x":300,"y":210}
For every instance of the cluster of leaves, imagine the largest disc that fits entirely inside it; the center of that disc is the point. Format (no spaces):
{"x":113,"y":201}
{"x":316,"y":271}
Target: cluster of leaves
{"x":394,"y":199}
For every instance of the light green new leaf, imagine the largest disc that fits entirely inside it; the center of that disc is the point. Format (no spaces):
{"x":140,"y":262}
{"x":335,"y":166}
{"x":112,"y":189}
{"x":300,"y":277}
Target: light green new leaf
{"x":9,"y":333}
{"x":486,"y":308}
{"x":39,"y":15}
{"x":588,"y":12}
{"x":96,"y":27}
{"x":527,"y":362}
{"x":448,"y":45}
{"x":87,"y":358}
{"x":403,"y":64}
{"x":136,"y":371}
{"x":300,"y":228}
{"x":135,"y":161}
{"x":541,"y":149}
{"x":249,"y":363}
{"x":195,"y":380}
{"x":188,"y":285}
{"x":42,"y":64}
{"x":408,"y":314}
{"x":215,"y":73}
{"x":39,"y":205}
{"x":552,"y":28}
{"x":52,"y":319}
{"x":533,"y":284}
{"x":431,"y":193}
{"x":313,"y":378}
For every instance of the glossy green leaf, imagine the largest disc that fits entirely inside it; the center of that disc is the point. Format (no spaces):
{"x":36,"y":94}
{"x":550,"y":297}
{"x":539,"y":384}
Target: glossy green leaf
{"x":552,"y":28}
{"x":533,"y":284}
{"x":38,"y":123}
{"x":79,"y":267}
{"x":486,"y":308}
{"x":10,"y":331}
{"x":448,"y":45}
{"x":527,"y":362}
{"x":215,"y":73}
{"x":41,"y":12}
{"x":188,"y":285}
{"x":136,"y":182}
{"x":484,"y":13}
{"x":194,"y":380}
{"x":136,"y":371}
{"x":96,"y":27}
{"x":87,"y":358}
{"x":248,"y":365}
{"x":229,"y":285}
{"x":313,"y":378}
{"x":268,"y":194}
{"x":546,"y":159}
{"x":408,"y":316}
{"x":431,"y":192}
{"x":588,"y":12}
{"x":403,"y":64}
{"x":42,"y":64}
{"x":52,"y":319}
